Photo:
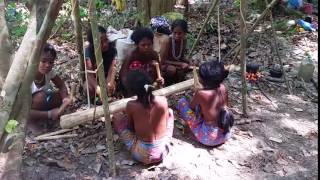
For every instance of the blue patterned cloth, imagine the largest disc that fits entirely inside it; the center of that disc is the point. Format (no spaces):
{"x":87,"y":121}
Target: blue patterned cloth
{"x":160,"y":24}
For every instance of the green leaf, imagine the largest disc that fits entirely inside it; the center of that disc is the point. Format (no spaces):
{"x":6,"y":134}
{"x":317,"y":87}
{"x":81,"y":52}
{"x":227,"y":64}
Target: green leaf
{"x":11,"y":125}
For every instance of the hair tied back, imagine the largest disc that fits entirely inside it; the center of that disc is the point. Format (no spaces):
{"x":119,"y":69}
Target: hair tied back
{"x":147,"y":87}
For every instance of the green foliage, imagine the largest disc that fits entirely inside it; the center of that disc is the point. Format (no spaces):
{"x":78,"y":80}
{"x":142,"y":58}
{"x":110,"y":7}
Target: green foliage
{"x":171,"y":16}
{"x":236,"y":3}
{"x":17,"y":18}
{"x":11,"y":126}
{"x":191,"y":38}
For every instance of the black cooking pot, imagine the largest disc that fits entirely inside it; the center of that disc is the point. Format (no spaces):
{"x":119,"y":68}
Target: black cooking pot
{"x":252,"y":68}
{"x":275,"y":73}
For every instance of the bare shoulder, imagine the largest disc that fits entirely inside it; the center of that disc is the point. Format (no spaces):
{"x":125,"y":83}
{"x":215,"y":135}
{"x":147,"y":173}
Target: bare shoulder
{"x":161,"y":101}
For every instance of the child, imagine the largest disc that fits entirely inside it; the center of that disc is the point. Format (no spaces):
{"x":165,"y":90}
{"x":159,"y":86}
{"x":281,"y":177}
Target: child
{"x":149,"y":123}
{"x":173,"y":53}
{"x":143,"y":58}
{"x":207,"y":114}
{"x":108,"y":55}
{"x":45,"y":101}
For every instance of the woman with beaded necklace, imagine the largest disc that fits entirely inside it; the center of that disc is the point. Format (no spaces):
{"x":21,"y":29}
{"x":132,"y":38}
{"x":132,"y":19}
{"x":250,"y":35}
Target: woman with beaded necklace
{"x":172,"y":56}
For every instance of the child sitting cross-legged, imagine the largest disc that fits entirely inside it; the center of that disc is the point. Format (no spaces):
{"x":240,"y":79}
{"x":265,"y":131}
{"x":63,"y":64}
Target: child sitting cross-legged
{"x":207,"y":115}
{"x":148,"y":124}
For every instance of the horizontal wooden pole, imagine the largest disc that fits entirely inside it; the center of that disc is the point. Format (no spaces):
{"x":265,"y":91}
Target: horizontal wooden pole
{"x":81,"y":117}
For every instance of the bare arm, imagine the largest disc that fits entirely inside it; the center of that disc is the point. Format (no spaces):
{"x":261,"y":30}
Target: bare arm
{"x":112,"y":72}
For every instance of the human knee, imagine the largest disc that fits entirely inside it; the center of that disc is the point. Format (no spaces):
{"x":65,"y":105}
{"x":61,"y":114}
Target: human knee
{"x":171,"y":70}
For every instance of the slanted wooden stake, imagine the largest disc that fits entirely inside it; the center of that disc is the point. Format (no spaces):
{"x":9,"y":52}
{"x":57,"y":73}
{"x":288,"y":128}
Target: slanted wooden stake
{"x":78,"y":31}
{"x":276,"y":47}
{"x":213,"y":5}
{"x":102,"y":83}
{"x":243,"y":44}
{"x":252,"y":28}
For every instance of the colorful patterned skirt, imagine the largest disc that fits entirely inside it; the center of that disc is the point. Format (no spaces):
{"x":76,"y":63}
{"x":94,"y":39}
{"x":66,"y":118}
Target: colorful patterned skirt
{"x":205,"y":134}
{"x":146,"y":152}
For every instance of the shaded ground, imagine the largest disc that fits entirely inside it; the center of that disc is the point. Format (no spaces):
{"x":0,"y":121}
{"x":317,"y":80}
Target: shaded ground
{"x":278,"y":142}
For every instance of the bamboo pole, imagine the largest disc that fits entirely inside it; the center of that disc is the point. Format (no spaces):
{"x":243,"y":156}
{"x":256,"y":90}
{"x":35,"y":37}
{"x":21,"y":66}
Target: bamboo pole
{"x":213,"y":5}
{"x":102,"y":83}
{"x":81,"y":117}
{"x":252,"y":28}
{"x":78,"y":31}
{"x":243,"y":44}
{"x":61,"y":131}
{"x":44,"y":138}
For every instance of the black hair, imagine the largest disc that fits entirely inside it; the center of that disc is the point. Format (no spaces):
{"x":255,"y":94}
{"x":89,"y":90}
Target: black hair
{"x":89,"y":33}
{"x":140,"y":33}
{"x":212,"y":74}
{"x":141,"y":85}
{"x":180,"y":23}
{"x":49,"y":48}
{"x":107,"y":56}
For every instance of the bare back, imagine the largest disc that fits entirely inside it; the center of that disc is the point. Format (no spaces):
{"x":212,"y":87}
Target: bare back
{"x":211,"y":102}
{"x":149,"y":123}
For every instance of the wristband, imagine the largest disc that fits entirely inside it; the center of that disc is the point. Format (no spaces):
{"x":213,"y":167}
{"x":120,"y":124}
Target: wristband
{"x":49,"y":114}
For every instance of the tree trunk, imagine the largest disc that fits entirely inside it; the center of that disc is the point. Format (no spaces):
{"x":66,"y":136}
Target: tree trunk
{"x":153,"y":8}
{"x":243,"y":45}
{"x":102,"y":83}
{"x":42,"y":7}
{"x":20,"y":112}
{"x":78,"y":31}
{"x":5,"y":46}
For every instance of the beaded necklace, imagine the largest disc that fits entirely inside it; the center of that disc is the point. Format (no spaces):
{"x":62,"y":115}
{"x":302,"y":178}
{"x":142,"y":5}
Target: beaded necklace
{"x":174,"y":49}
{"x":39,"y":82}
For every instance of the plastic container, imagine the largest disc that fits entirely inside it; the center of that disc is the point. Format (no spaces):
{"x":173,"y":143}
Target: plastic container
{"x":306,"y":69}
{"x":124,"y":47}
{"x":305,"y":25}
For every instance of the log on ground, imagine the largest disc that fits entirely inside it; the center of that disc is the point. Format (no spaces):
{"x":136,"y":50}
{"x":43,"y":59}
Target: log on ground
{"x":81,"y":117}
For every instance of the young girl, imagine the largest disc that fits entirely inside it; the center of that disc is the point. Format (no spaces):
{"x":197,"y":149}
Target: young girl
{"x":108,"y":55}
{"x":173,"y":53}
{"x":45,"y":101}
{"x":149,"y":122}
{"x":143,"y":58}
{"x":207,"y":114}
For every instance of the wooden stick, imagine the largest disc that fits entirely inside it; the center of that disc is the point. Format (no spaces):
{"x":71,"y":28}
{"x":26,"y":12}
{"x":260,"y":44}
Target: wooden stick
{"x":196,"y":83}
{"x":274,"y":37}
{"x":61,"y":131}
{"x":81,"y":117}
{"x":64,"y":105}
{"x":213,"y":5}
{"x":55,"y":137}
{"x":243,"y":44}
{"x":103,"y":86}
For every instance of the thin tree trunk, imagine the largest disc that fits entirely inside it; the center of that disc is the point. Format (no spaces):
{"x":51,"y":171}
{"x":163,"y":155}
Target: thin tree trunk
{"x":5,"y":46}
{"x":102,"y":83}
{"x":16,"y":73}
{"x":42,"y":6}
{"x":12,"y":167}
{"x":213,"y":6}
{"x":243,"y":45}
{"x":78,"y":31}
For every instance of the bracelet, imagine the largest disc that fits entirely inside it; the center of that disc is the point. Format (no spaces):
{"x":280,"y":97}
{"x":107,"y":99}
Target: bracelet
{"x":49,"y":114}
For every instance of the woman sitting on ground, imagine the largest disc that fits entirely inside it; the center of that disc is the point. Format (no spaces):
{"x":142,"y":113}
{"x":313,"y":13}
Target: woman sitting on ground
{"x":143,"y":58}
{"x":109,"y":63}
{"x":174,"y":64}
{"x":207,"y":115}
{"x":46,"y":101}
{"x":148,"y":123}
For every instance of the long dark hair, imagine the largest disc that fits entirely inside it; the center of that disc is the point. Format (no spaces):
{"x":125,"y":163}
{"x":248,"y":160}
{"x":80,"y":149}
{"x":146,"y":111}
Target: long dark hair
{"x":108,"y":55}
{"x":212,"y":74}
{"x":140,"y":33}
{"x":141,"y":85}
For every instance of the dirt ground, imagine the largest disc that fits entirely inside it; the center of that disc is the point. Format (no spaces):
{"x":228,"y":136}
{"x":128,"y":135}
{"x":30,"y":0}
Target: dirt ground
{"x":279,"y":140}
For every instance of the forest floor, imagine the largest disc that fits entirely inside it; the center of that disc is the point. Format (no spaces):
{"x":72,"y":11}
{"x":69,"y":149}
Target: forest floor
{"x":279,"y":140}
